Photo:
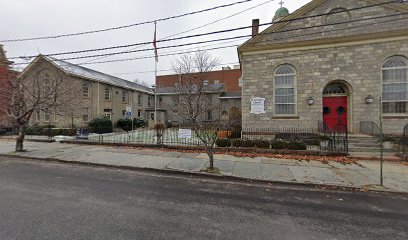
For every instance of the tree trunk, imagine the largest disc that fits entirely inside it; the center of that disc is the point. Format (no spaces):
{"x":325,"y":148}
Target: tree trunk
{"x":211,"y":157}
{"x":20,"y":139}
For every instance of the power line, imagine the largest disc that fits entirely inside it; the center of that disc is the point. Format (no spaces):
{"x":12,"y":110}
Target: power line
{"x":292,"y":36}
{"x":167,"y":70}
{"x":199,"y":27}
{"x":170,"y":53}
{"x":126,"y":26}
{"x":210,"y":33}
{"x":225,"y":39}
{"x":283,"y":38}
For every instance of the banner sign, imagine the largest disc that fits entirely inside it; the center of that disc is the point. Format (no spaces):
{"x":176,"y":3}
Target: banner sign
{"x":257,"y":105}
{"x":184,"y":133}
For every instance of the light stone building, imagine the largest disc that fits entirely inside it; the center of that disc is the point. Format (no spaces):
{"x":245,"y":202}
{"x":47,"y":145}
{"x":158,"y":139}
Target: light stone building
{"x":330,"y":62}
{"x":98,"y":94}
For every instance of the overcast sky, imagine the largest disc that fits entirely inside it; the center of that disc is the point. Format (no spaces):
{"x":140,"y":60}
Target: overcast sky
{"x":28,"y":18}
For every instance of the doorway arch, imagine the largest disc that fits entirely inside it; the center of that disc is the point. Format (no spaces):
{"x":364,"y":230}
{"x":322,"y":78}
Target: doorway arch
{"x":337,"y":105}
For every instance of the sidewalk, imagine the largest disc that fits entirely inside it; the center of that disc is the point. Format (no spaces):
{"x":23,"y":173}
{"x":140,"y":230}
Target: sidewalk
{"x":365,"y":174}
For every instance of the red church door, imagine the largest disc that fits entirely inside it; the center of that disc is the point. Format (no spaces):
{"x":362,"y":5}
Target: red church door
{"x":334,"y":111}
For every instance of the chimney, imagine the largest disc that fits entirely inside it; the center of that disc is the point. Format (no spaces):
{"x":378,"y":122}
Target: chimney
{"x":255,"y":27}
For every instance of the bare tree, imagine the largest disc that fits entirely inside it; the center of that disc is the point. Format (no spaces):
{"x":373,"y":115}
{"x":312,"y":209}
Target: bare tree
{"x":45,"y":91}
{"x":193,"y":98}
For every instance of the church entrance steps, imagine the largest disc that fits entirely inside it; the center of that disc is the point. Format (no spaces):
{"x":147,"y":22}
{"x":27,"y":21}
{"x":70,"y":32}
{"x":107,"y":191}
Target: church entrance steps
{"x":368,"y":147}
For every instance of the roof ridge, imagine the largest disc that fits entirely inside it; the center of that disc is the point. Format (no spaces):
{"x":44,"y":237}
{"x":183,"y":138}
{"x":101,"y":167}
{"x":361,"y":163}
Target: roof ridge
{"x":68,"y":65}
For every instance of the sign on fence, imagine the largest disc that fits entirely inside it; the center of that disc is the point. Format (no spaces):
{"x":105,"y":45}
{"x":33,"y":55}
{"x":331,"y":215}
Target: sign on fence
{"x":257,"y":105}
{"x":184,"y":133}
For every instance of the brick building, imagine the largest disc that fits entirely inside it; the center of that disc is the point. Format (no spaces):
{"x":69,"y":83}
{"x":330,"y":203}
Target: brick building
{"x":228,"y":77}
{"x":224,"y":90}
{"x":330,"y":62}
{"x":6,"y":75}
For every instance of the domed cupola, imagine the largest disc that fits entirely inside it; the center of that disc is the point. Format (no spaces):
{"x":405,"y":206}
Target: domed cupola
{"x":280,"y":13}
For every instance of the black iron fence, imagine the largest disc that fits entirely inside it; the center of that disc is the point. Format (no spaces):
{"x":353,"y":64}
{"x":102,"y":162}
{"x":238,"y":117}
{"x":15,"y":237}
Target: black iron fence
{"x":315,"y":139}
{"x":370,"y":128}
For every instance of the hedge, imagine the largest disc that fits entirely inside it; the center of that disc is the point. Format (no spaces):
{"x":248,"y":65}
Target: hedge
{"x":101,"y":125}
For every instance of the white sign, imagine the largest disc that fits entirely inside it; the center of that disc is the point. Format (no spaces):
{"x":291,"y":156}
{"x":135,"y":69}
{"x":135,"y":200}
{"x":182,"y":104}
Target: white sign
{"x":257,"y":105}
{"x":129,"y":109}
{"x":184,"y":133}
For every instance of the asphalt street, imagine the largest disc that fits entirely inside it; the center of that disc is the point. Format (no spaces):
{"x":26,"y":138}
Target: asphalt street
{"x":43,"y":200}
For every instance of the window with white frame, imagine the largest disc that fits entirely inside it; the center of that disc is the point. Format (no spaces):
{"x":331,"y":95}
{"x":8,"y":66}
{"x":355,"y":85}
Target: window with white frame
{"x":285,"y":90}
{"x":38,"y":115}
{"x":108,"y":93}
{"x":395,"y":85}
{"x":125,"y":96}
{"x":139,"y":99}
{"x":209,"y":116}
{"x":85,"y":114}
{"x":149,"y":101}
{"x":47,"y":115}
{"x":85,"y":89}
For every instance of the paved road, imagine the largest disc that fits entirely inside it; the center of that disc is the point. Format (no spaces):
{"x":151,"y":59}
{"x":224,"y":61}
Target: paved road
{"x":55,"y":201}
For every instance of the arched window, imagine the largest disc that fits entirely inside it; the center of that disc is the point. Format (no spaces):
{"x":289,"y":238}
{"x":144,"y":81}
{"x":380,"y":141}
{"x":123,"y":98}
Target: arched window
{"x":46,"y":82}
{"x":334,"y":88}
{"x":108,"y":93}
{"x":86,"y":87}
{"x":395,"y":85}
{"x":285,"y":90}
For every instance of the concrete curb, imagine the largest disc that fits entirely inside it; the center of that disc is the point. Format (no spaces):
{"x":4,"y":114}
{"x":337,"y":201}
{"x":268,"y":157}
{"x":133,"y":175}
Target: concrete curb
{"x":208,"y":175}
{"x":375,"y":158}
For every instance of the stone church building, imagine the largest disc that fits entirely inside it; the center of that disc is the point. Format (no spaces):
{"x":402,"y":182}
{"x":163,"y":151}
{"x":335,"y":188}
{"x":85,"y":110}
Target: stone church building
{"x":331,"y":62}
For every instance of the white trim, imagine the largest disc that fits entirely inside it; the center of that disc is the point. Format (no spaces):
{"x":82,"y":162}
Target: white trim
{"x":323,"y":46}
{"x":295,"y":114}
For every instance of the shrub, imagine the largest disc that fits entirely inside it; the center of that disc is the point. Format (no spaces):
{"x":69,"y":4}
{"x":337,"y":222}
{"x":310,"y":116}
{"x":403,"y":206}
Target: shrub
{"x":139,"y":122}
{"x":34,"y":130}
{"x":261,"y":143}
{"x":101,"y":125}
{"x":59,"y":131}
{"x":125,"y":124}
{"x":235,"y":132}
{"x":279,"y":144}
{"x":238,"y":143}
{"x":248,"y":143}
{"x":223,"y":142}
{"x":296,"y":145}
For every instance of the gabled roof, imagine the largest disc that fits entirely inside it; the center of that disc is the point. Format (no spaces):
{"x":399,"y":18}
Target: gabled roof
{"x":89,"y":74}
{"x":402,"y":7}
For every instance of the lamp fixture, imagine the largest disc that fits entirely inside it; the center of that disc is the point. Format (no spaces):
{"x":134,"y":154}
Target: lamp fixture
{"x":310,"y":100}
{"x":369,"y":99}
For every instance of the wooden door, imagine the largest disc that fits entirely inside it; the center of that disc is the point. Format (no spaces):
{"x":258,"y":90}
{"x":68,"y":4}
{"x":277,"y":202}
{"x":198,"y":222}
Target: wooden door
{"x":335,"y":112}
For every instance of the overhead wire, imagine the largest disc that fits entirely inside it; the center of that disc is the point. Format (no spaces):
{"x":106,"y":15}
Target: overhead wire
{"x":126,"y":26}
{"x":196,"y":28}
{"x":209,"y":33}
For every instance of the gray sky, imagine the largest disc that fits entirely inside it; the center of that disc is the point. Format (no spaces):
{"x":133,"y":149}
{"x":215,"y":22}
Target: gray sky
{"x":28,"y":18}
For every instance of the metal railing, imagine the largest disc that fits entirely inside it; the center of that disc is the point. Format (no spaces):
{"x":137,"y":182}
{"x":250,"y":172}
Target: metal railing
{"x":370,"y":128}
{"x":330,"y":140}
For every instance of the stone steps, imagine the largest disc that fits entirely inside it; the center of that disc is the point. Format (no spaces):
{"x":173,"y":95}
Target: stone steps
{"x":365,"y":144}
